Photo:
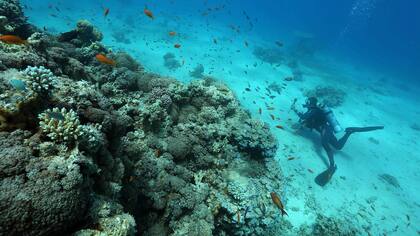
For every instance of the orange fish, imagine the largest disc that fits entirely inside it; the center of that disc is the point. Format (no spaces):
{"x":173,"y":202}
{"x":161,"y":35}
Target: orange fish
{"x":105,"y":60}
{"x":279,"y":127}
{"x":12,"y":39}
{"x":278,"y":203}
{"x":172,"y":33}
{"x":106,"y":12}
{"x":177,"y":45}
{"x":272,"y":117}
{"x":149,"y":13}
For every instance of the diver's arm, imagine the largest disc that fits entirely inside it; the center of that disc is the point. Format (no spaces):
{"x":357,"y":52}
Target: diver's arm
{"x":303,"y":115}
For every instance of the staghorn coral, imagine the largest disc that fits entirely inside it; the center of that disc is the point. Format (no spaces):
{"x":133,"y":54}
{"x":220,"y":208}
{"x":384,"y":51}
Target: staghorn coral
{"x":60,"y":125}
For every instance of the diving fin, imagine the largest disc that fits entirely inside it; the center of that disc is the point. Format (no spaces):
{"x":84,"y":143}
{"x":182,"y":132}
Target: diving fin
{"x":323,"y":178}
{"x":363,"y":129}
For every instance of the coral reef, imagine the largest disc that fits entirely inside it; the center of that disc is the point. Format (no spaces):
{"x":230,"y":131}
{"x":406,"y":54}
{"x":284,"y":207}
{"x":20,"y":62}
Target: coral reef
{"x":84,"y":35}
{"x":12,"y":20}
{"x":327,"y":95}
{"x":60,"y":125}
{"x":269,"y":55}
{"x":39,"y":79}
{"x":40,"y":193}
{"x":329,"y":226}
{"x":119,"y":151}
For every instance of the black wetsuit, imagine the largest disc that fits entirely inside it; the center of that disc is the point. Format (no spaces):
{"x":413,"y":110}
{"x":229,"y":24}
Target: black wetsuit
{"x":315,"y":118}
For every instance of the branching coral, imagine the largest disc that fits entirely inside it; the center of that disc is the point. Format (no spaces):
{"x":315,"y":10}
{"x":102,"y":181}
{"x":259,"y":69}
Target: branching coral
{"x":60,"y":125}
{"x":39,"y":79}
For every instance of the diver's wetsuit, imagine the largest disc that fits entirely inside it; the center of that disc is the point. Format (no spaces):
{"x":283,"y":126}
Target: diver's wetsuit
{"x":319,"y":119}
{"x":315,"y":118}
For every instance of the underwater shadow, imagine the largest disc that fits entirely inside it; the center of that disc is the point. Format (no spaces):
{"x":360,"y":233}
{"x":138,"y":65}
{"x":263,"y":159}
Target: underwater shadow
{"x":316,"y":142}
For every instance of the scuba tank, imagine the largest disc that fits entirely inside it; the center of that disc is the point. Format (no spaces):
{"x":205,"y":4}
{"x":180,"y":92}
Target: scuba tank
{"x":329,"y":115}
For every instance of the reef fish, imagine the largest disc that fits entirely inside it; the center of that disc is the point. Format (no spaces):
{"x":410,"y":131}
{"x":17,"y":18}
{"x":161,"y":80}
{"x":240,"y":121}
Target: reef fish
{"x":148,"y":13}
{"x":18,"y":84}
{"x":12,"y":39}
{"x":278,"y":203}
{"x":55,"y":115}
{"x":106,"y":12}
{"x":177,"y":45}
{"x":172,"y":33}
{"x":105,"y":60}
{"x":278,"y":43}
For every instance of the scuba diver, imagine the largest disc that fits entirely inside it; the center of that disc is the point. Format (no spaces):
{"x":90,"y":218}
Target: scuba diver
{"x":322,"y":119}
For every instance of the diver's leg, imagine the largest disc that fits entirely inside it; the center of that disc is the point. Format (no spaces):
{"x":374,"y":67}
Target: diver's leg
{"x":325,"y":143}
{"x":339,"y":144}
{"x":330,"y":136}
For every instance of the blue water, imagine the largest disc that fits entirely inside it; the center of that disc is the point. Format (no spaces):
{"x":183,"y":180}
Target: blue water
{"x":371,"y":48}
{"x":378,"y":34}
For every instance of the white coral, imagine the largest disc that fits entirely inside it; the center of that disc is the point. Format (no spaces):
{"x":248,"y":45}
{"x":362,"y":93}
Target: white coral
{"x":60,"y":125}
{"x":39,"y":79}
